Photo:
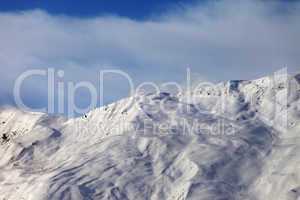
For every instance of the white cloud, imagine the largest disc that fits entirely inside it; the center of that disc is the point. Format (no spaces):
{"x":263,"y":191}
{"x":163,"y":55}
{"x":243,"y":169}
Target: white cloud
{"x":221,"y":40}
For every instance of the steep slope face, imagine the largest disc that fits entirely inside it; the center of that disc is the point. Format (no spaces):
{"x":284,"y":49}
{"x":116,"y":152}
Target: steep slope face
{"x":226,"y":143}
{"x":281,"y":171}
{"x":276,"y":104}
{"x":15,"y":123}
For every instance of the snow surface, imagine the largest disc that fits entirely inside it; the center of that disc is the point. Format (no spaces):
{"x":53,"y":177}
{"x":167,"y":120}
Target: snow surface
{"x":141,"y":147}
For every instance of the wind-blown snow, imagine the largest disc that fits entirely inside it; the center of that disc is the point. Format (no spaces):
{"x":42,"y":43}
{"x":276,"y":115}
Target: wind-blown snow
{"x":122,"y":151}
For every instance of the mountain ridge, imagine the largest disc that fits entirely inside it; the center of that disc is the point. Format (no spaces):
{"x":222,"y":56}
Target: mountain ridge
{"x":161,"y":146}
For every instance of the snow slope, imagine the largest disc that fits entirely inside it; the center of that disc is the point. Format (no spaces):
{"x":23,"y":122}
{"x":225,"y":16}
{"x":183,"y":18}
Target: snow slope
{"x":237,"y":140}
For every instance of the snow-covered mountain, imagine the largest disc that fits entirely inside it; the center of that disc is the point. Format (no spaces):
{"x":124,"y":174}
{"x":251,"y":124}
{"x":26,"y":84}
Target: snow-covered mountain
{"x":236,"y":140}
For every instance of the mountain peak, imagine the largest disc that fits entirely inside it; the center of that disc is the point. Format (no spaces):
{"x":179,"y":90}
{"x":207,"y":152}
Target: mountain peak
{"x":230,"y":139}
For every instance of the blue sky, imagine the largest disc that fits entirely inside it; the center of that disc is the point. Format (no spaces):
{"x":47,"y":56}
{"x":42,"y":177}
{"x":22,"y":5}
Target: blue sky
{"x":134,"y":9}
{"x":150,"y":40}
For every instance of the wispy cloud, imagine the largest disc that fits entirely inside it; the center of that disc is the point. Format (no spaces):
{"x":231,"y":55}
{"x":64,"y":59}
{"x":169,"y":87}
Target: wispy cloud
{"x":220,"y":40}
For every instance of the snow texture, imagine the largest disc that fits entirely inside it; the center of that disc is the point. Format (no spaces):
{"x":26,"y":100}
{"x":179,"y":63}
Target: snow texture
{"x":124,"y":151}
